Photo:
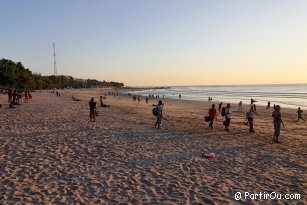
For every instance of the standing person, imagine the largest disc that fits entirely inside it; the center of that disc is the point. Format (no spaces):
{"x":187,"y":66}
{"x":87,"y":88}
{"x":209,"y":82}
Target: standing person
{"x":101,"y":101}
{"x":26,"y":96}
{"x":92,"y":105}
{"x":10,"y":97}
{"x":212,"y":115}
{"x":250,"y":117}
{"x":159,"y":110}
{"x":277,"y":122}
{"x":240,"y":106}
{"x":252,"y":101}
{"x":220,"y":106}
{"x":299,"y":114}
{"x":146,"y":100}
{"x":139,"y":99}
{"x":269,"y":105}
{"x":227,"y":117}
{"x":15,"y":96}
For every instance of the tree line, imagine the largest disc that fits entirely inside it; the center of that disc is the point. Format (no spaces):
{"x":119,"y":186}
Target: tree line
{"x":16,"y":75}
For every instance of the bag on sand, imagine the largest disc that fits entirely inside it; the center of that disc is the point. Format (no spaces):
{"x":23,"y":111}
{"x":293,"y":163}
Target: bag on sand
{"x":223,"y":111}
{"x":207,"y":118}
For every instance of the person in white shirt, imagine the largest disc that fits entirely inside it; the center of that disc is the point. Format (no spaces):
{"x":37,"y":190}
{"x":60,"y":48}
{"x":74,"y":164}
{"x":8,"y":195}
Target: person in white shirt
{"x":159,"y":114}
{"x":250,"y":117}
{"x":227,"y":117}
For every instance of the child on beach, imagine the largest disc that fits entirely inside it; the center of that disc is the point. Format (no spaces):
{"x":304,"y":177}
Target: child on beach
{"x":159,"y":110}
{"x":92,"y":105}
{"x":227,"y":117}
{"x":277,"y":122}
{"x":250,"y":117}
{"x":212,"y":115}
{"x":299,"y":114}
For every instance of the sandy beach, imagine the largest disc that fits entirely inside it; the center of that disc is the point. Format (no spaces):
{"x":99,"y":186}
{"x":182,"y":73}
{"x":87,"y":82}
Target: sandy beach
{"x":51,"y":154}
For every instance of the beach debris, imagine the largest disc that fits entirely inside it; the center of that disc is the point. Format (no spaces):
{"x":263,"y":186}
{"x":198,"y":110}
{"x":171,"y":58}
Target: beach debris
{"x":208,"y":154}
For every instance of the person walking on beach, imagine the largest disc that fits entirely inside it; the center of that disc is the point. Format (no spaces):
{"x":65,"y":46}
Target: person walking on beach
{"x":92,"y":105}
{"x":240,"y":106}
{"x":220,"y":106}
{"x":227,"y":117}
{"x":212,"y":115}
{"x":277,"y":123}
{"x":159,"y":111}
{"x":250,"y":117}
{"x":299,"y":114}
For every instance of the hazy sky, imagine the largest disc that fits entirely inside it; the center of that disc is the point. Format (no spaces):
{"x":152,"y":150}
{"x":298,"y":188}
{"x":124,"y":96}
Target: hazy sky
{"x":160,"y":42}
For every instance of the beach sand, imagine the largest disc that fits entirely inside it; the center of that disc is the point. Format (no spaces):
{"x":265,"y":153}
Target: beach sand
{"x":50,"y":153}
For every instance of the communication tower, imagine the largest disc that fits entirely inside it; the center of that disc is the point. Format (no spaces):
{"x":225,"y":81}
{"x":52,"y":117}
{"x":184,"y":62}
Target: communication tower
{"x":54,"y":60}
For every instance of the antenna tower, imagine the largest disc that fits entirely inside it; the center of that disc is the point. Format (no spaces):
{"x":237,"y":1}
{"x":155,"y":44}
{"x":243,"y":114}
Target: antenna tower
{"x":54,"y":62}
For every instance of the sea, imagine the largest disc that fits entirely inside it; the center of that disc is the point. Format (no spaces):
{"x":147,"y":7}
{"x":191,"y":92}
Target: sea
{"x":285,"y":95}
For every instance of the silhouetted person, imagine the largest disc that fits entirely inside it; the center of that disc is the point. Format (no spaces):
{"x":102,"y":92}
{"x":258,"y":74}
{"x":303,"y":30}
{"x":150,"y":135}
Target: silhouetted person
{"x":299,"y":114}
{"x":269,"y":105}
{"x":92,"y":105}
{"x":220,"y":106}
{"x":277,"y":123}
{"x":253,"y":101}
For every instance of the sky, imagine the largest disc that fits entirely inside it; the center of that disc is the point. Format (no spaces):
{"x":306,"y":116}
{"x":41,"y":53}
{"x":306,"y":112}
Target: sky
{"x":159,"y":42}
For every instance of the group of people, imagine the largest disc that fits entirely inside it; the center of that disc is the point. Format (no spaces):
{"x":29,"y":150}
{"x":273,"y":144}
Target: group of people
{"x":93,"y":107}
{"x":16,"y":96}
{"x":212,"y":115}
{"x":226,"y":113}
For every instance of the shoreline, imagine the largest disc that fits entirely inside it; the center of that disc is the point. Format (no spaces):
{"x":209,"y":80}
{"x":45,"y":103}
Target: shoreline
{"x":289,"y":97}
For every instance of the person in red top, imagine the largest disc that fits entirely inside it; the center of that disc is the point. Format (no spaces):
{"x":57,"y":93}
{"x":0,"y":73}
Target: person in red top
{"x":26,"y":96}
{"x":212,"y":115}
